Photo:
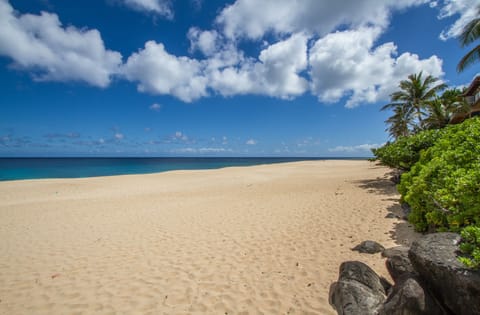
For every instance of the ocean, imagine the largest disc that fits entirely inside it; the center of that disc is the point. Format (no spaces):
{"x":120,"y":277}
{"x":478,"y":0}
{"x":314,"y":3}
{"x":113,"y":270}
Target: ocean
{"x":35,"y":168}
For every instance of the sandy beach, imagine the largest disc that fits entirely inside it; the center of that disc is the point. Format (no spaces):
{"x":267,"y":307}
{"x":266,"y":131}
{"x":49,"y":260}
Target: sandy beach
{"x":243,"y":240}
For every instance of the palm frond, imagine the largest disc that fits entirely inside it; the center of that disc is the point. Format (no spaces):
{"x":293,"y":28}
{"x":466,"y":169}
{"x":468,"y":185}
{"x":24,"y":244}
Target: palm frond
{"x":471,"y":57}
{"x":471,"y":31}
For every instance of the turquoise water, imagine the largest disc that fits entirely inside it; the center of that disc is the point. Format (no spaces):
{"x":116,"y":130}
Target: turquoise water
{"x":33,"y":168}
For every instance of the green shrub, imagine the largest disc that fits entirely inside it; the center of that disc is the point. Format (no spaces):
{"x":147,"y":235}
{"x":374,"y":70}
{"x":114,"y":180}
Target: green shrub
{"x":470,"y":247}
{"x":443,"y":188}
{"x":405,"y":151}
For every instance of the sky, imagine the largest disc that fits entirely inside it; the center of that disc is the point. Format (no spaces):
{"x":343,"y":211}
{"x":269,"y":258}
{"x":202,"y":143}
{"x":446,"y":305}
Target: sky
{"x":303,"y":78}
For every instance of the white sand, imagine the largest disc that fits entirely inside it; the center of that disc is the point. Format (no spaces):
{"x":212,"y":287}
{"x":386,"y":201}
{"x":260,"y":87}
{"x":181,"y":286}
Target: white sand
{"x":252,"y":240}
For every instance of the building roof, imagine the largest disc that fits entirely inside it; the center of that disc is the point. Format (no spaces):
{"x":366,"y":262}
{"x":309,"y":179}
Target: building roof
{"x":472,"y":88}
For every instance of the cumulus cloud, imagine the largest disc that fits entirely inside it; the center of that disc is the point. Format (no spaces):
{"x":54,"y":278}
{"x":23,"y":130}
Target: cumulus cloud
{"x":355,"y":149}
{"x":159,"y":72}
{"x":205,"y":41}
{"x":275,"y":73}
{"x":252,"y":19}
{"x":40,"y":44}
{"x":348,"y":64}
{"x":466,"y":9}
{"x":251,"y":142}
{"x":118,"y":136}
{"x":303,"y":56}
{"x":159,"y":7}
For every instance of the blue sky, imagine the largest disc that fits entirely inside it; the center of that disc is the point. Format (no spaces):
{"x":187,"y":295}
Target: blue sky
{"x":215,"y":78}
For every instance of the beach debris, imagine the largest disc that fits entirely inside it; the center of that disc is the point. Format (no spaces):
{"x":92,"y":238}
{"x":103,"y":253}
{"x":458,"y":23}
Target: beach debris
{"x":369,"y":247}
{"x":55,"y":275}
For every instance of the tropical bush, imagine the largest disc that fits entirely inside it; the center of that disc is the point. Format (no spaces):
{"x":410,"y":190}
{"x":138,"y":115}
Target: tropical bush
{"x":470,"y":247}
{"x":443,"y":187}
{"x":405,"y":151}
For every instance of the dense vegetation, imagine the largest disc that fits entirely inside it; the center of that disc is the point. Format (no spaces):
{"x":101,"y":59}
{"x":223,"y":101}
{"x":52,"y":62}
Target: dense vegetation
{"x":441,"y":182}
{"x":405,"y":151}
{"x":471,"y":247}
{"x":440,"y":162}
{"x":443,"y":187}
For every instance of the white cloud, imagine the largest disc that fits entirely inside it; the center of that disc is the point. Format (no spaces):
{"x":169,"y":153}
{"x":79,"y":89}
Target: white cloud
{"x":205,"y":41}
{"x":252,"y":19}
{"x":155,"y":107}
{"x":355,"y":149}
{"x":347,"y":64}
{"x":40,"y":44}
{"x":160,"y":7}
{"x":159,"y":72}
{"x":180,"y":136}
{"x":119,"y":136}
{"x":251,"y":142}
{"x":275,"y":73}
{"x":206,"y":150}
{"x":467,"y":9}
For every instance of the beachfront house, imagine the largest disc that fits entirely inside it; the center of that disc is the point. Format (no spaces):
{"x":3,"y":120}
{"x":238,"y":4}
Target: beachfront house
{"x":472,"y":96}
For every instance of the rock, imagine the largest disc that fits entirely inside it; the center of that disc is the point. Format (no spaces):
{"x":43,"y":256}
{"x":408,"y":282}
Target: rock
{"x":434,"y":257}
{"x":392,"y":216}
{"x":410,"y":298}
{"x":369,"y":247}
{"x":359,"y":290}
{"x":394,"y":251}
{"x":398,"y":264}
{"x":406,"y":210}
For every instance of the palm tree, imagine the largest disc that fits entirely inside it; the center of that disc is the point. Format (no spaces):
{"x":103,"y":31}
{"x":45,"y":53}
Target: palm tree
{"x":399,"y":123}
{"x":413,"y":95}
{"x":470,"y":33}
{"x":438,"y":114}
{"x":441,"y":109}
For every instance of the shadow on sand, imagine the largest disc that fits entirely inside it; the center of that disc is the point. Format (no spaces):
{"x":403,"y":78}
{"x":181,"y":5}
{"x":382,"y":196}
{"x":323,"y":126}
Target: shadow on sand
{"x":403,"y":232}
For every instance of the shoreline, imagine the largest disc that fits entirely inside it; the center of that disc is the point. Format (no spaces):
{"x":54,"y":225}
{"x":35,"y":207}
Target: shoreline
{"x":70,"y":167}
{"x":266,"y":238}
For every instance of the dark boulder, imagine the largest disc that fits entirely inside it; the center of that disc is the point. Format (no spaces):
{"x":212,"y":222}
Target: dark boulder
{"x":408,"y":297}
{"x":359,"y":290}
{"x":398,"y":264}
{"x":369,"y":247}
{"x":394,"y":251}
{"x":434,"y":258}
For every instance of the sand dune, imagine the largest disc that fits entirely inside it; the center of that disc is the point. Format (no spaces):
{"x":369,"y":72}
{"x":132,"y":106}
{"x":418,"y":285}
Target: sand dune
{"x":253,"y":240}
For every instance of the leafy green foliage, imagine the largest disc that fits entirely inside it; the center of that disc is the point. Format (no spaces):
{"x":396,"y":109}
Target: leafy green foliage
{"x":405,"y":152}
{"x":443,"y":187}
{"x":470,"y":247}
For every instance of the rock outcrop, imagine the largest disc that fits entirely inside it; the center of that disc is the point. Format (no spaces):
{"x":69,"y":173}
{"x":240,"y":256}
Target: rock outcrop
{"x":408,"y":297}
{"x":428,"y":277}
{"x":434,"y":257}
{"x":359,"y":290}
{"x":398,"y":264}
